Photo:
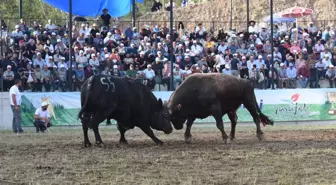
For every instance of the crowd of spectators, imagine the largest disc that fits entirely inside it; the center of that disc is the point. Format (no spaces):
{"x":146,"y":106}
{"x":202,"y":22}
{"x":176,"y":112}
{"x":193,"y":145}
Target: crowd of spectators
{"x":39,"y":55}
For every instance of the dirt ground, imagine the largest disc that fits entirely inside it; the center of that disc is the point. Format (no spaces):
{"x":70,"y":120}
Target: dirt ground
{"x":286,"y":156}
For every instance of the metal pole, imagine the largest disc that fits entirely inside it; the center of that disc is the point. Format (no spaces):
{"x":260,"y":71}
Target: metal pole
{"x":171,"y":46}
{"x":231,"y":15}
{"x":133,"y":12}
{"x":20,"y":9}
{"x":70,"y":45}
{"x":272,"y":45}
{"x":247,"y":14}
{"x":1,"y":40}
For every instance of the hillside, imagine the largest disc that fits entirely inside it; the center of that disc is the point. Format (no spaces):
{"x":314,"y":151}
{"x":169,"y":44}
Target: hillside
{"x":217,"y":12}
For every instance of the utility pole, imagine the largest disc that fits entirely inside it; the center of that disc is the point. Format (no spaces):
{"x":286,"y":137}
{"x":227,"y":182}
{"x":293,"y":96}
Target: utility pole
{"x":171,"y":46}
{"x":20,"y":9}
{"x":272,"y":43}
{"x":247,"y":14}
{"x":231,"y":15}
{"x":70,"y":46}
{"x":133,"y":12}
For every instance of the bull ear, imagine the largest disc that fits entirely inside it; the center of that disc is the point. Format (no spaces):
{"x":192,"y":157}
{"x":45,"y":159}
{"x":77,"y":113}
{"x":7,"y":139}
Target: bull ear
{"x":179,"y":107}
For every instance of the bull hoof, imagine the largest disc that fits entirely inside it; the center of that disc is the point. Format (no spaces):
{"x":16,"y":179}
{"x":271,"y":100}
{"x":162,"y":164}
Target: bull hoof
{"x":232,"y":138}
{"x":260,"y":137}
{"x":159,"y":143}
{"x":188,"y":139}
{"x":99,"y":143}
{"x":123,"y":142}
{"x":88,"y":144}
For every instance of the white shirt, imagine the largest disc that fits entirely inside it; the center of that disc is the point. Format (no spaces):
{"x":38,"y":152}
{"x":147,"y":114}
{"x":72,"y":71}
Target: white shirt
{"x":149,"y":74}
{"x":42,"y":114}
{"x":15,"y":90}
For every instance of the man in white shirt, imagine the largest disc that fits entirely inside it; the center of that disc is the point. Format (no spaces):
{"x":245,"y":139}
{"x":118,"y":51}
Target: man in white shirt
{"x":149,"y":76}
{"x":42,"y":118}
{"x":15,"y":101}
{"x":291,"y":74}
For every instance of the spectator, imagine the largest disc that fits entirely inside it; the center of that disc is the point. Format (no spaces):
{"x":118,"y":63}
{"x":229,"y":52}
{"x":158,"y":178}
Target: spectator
{"x":79,"y":76}
{"x":15,"y":101}
{"x":313,"y":79}
{"x":227,"y":70}
{"x":291,"y":74}
{"x":303,"y":75}
{"x":283,"y":79}
{"x":8,"y":77}
{"x":331,"y":76}
{"x":149,"y":76}
{"x":42,"y":118}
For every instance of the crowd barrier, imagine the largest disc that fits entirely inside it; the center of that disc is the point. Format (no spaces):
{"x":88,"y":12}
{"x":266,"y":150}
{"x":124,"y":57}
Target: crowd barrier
{"x":292,"y":105}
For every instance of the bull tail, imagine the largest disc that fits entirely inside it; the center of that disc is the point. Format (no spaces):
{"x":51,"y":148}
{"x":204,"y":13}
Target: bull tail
{"x":265,"y":120}
{"x":88,"y":93}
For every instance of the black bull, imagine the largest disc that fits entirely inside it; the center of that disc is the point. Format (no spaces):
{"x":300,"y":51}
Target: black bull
{"x":128,"y":102}
{"x":203,"y":95}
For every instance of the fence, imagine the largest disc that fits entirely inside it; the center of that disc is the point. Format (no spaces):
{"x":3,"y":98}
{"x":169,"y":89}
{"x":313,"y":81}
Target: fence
{"x":211,"y":24}
{"x":288,"y":105}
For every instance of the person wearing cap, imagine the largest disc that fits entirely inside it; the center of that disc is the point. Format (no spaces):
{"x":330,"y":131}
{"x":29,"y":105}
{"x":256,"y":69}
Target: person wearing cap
{"x":60,"y":46}
{"x":291,"y":74}
{"x":283,"y":79}
{"x":62,"y":76}
{"x":79,"y":76}
{"x":312,"y":29}
{"x":94,"y":62}
{"x":8,"y":78}
{"x":81,"y":59}
{"x":195,"y":50}
{"x":50,"y":62}
{"x":94,"y":30}
{"x":227,"y":69}
{"x":38,"y":60}
{"x":46,"y":78}
{"x":259,"y":62}
{"x":15,"y":101}
{"x":149,"y":76}
{"x":331,"y":76}
{"x":42,"y":118}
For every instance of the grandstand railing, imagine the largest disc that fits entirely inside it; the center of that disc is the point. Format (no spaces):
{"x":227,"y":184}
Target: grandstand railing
{"x":215,"y":25}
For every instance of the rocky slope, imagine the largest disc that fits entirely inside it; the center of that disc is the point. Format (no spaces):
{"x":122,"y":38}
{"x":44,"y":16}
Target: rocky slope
{"x":216,"y":13}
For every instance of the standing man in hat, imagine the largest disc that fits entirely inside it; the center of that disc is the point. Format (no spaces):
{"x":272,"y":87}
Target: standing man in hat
{"x":42,"y":118}
{"x":15,"y":101}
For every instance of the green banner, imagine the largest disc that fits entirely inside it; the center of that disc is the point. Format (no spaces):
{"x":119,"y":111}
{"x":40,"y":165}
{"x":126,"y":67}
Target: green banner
{"x":279,"y":105}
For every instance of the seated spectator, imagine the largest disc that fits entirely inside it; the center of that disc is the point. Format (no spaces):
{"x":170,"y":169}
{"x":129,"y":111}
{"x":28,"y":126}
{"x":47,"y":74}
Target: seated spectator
{"x":227,"y":70}
{"x":149,"y":77}
{"x":291,"y":74}
{"x":331,"y":76}
{"x":303,"y":75}
{"x":313,"y":79}
{"x":283,"y":79}
{"x":62,"y":76}
{"x":116,"y":71}
{"x":42,"y":118}
{"x":8,"y":77}
{"x":79,"y":76}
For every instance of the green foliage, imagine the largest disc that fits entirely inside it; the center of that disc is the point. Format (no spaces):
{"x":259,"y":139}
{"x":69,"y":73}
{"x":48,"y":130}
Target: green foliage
{"x":32,"y":10}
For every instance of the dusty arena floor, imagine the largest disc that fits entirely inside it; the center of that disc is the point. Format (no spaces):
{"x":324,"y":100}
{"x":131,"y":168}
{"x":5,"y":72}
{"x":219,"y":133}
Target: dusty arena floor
{"x":288,"y":155}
